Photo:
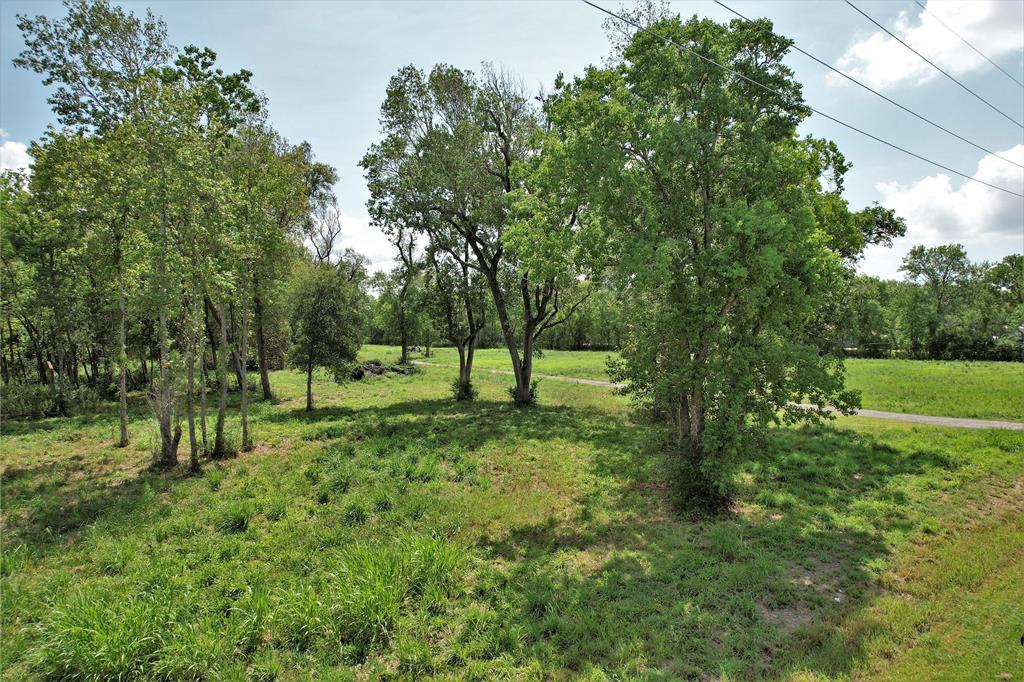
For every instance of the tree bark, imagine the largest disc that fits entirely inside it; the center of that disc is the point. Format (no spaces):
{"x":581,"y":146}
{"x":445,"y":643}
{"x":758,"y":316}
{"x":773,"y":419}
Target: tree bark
{"x":244,"y":353}
{"x":202,"y":390}
{"x":193,"y":456}
{"x":261,"y":344}
{"x":164,"y":397}
{"x":521,"y":395}
{"x":219,"y":445}
{"x":122,"y":366}
{"x":309,"y":386}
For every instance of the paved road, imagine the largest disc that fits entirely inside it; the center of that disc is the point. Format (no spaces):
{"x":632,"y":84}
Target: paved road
{"x":957,"y":422}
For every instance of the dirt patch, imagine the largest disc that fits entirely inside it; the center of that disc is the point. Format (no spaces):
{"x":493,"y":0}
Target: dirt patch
{"x":789,"y":618}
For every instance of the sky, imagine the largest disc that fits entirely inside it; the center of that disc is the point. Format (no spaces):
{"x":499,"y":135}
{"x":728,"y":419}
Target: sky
{"x":325,"y":65}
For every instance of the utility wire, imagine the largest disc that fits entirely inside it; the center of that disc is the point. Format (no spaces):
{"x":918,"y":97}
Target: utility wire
{"x":937,"y":67}
{"x":781,"y":94}
{"x":887,"y":99}
{"x":968,"y":43}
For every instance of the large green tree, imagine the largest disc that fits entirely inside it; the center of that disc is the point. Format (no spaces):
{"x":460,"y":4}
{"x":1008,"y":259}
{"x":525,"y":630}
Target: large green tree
{"x":707,"y":200}
{"x":451,"y":166}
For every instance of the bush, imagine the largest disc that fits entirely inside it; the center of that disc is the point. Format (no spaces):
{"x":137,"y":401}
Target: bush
{"x":532,"y":399}
{"x":34,"y":400}
{"x":469,"y":393}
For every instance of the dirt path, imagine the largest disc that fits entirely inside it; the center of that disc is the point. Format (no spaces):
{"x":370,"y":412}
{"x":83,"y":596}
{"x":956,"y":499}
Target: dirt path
{"x":956,"y":422}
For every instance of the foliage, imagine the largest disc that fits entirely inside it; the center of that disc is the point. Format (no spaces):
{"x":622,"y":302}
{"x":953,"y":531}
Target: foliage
{"x":326,"y":322}
{"x":152,"y":239}
{"x":707,"y":200}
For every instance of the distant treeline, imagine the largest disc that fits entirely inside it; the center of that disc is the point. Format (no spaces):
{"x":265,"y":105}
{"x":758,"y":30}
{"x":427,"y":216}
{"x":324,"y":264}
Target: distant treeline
{"x":945,"y":308}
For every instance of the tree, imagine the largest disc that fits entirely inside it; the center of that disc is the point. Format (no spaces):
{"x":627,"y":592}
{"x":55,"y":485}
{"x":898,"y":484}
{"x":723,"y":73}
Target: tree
{"x":99,"y":56}
{"x":455,"y":301}
{"x":707,"y":201}
{"x":326,"y":323}
{"x":940,"y":271}
{"x":450,"y":168}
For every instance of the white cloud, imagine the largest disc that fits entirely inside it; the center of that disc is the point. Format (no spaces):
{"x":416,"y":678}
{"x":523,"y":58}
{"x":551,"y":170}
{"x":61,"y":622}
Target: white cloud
{"x":357,"y":233}
{"x":13,"y":155}
{"x":989,"y":223}
{"x":994,"y":26}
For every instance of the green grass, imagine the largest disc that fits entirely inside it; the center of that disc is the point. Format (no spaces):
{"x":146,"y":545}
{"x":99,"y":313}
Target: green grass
{"x":981,"y":390}
{"x":394,"y":533}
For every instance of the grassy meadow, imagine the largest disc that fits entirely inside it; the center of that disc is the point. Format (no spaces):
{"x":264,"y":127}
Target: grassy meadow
{"x":980,"y":390}
{"x":395,"y":534}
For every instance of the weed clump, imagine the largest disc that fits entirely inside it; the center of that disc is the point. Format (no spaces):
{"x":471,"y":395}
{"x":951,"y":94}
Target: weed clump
{"x":234,"y":517}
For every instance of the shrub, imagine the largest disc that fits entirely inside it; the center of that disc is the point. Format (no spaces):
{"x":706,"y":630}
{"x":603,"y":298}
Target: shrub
{"x":532,"y":399}
{"x":34,"y":400}
{"x":469,"y":392}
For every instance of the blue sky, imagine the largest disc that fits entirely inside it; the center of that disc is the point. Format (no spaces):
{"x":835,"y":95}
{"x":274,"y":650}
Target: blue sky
{"x":324,"y":66}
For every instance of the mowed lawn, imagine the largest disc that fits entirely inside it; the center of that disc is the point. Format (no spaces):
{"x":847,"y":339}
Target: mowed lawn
{"x":981,"y":390}
{"x":395,"y":534}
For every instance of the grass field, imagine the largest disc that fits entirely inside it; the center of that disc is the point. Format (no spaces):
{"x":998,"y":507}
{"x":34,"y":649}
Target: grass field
{"x":394,"y":534}
{"x":982,"y":390}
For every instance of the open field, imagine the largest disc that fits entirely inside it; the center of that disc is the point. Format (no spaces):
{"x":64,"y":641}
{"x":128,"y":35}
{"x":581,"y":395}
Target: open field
{"x":393,"y":533}
{"x":980,"y":390}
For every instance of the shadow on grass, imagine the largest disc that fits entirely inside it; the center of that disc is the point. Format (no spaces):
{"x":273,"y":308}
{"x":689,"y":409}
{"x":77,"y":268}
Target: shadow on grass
{"x":624,"y":584}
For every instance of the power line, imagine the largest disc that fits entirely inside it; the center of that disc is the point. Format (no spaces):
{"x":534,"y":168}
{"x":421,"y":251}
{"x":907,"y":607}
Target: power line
{"x":887,"y":99}
{"x":937,"y":67}
{"x":781,"y":94}
{"x":968,"y":44}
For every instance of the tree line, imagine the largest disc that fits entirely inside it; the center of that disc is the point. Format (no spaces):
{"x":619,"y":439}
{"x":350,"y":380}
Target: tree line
{"x":160,"y":240}
{"x":944,"y":308}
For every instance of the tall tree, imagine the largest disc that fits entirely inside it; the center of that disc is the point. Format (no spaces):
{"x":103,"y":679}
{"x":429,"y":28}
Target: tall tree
{"x":941,"y":271}
{"x":707,"y":199}
{"x":449,"y":167}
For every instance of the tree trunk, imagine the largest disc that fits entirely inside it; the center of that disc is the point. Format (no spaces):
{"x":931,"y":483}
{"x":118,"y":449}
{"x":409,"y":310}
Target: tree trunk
{"x":244,"y":354}
{"x":122,"y":362}
{"x":402,"y":332}
{"x":202,"y":391}
{"x":193,"y":455}
{"x":309,"y":386}
{"x":236,"y":360}
{"x":164,"y":402}
{"x":466,"y":350}
{"x":520,"y":369}
{"x":62,"y":405}
{"x":219,"y":446}
{"x":164,"y":397}
{"x":261,"y":345}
